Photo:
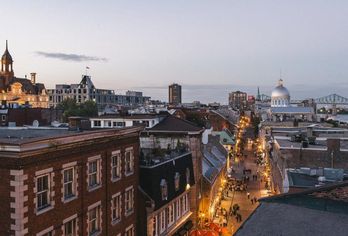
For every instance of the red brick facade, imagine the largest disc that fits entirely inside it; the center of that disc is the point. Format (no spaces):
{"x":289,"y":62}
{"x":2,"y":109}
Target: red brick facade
{"x":19,"y":172}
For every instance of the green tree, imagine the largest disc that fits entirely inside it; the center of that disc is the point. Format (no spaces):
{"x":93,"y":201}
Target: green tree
{"x":71,"y":108}
{"x":256,"y":121}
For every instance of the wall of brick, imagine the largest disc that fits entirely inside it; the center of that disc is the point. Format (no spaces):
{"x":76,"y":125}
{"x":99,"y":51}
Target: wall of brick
{"x":55,"y":160}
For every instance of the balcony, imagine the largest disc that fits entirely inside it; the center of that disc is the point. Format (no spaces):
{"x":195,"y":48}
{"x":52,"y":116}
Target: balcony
{"x":153,"y":157}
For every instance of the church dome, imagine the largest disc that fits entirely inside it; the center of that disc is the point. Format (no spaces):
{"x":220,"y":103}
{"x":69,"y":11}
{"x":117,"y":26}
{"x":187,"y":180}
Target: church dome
{"x":280,"y":91}
{"x":280,"y":96}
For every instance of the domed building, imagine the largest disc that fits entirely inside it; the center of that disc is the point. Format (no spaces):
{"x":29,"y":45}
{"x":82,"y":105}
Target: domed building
{"x":16,"y":91}
{"x":281,"y":109}
{"x":280,"y":96}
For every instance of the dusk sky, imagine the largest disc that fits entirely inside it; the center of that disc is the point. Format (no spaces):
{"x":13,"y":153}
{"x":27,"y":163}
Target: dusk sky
{"x":210,"y":47}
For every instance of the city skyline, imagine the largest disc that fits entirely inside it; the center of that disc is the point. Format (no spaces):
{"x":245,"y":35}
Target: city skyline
{"x":208,"y":48}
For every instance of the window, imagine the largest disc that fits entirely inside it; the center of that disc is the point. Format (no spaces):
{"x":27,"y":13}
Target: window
{"x":116,"y":206}
{"x":43,"y":192}
{"x":116,"y":166}
{"x":155,"y":226}
{"x":164,"y":189}
{"x":3,"y":118}
{"x":121,"y":124}
{"x":171,"y":216}
{"x":163,"y":221}
{"x":93,"y":220}
{"x":129,"y":165}
{"x":97,"y":123}
{"x":177,"y":181}
{"x":130,"y":231}
{"x":70,"y":228}
{"x":69,"y":183}
{"x":94,"y":173}
{"x":129,"y":200}
{"x":47,"y":232}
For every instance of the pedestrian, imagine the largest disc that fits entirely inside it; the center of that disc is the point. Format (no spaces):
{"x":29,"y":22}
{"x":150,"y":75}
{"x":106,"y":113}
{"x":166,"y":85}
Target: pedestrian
{"x":252,"y":201}
{"x":255,"y":200}
{"x":248,"y":194}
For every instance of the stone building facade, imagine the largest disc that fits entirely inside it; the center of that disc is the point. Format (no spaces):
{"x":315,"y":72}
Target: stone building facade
{"x":60,"y":182}
{"x":16,"y":91}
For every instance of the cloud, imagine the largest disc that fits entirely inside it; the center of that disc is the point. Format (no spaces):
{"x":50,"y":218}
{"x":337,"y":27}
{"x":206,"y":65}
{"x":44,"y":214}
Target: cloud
{"x":70,"y":57}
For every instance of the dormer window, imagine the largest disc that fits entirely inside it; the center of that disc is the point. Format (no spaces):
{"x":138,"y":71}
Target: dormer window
{"x":177,"y":181}
{"x":164,"y":189}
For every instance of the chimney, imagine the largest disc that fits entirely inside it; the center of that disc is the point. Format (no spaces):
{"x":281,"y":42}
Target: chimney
{"x":33,"y":78}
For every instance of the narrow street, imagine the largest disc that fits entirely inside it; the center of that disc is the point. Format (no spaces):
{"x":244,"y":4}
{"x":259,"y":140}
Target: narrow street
{"x":256,"y":188}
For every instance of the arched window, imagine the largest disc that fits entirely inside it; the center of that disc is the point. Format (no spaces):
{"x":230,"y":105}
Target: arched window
{"x":177,"y":181}
{"x":164,"y":189}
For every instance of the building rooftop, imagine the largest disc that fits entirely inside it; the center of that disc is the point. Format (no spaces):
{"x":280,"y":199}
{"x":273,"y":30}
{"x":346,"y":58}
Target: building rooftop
{"x":312,"y":177}
{"x":176,"y":125}
{"x":13,"y":135}
{"x":16,"y":140}
{"x":151,"y":178}
{"x":317,"y":211}
{"x":320,"y":143}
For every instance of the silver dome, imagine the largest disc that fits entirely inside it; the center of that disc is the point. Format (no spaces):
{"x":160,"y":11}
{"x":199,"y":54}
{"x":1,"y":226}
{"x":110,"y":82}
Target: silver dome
{"x":280,"y":92}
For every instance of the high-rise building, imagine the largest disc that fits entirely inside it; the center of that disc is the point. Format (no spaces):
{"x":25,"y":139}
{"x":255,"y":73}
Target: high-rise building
{"x":237,"y":100}
{"x":16,"y":91}
{"x":174,"y":94}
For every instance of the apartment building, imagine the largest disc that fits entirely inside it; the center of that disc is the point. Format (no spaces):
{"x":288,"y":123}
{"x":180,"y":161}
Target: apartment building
{"x":61,"y":182}
{"x":86,"y":91}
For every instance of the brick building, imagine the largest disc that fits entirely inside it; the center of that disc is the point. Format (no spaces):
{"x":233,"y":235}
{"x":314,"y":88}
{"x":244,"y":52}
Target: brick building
{"x":237,"y":100}
{"x":328,"y":148}
{"x":26,"y":116}
{"x":60,"y":182}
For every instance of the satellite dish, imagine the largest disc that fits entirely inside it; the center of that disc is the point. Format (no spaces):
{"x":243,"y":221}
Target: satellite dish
{"x":36,"y":123}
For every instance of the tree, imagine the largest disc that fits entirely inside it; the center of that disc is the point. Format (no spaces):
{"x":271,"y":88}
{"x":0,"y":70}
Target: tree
{"x":256,"y":121}
{"x":71,"y":108}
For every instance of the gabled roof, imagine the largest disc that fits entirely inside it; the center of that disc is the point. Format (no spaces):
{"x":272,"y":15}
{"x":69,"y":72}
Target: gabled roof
{"x":176,"y":125}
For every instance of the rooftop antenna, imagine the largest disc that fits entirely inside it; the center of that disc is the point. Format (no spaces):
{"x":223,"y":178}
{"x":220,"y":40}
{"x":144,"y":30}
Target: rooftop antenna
{"x":6,"y":45}
{"x":280,"y":83}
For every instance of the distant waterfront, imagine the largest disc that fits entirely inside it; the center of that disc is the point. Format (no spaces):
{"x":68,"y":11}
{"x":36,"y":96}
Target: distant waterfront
{"x":341,"y":118}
